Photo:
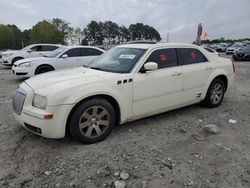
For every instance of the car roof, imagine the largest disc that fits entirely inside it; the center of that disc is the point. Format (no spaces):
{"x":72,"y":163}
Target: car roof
{"x":43,"y":44}
{"x":79,"y":46}
{"x":158,"y":45}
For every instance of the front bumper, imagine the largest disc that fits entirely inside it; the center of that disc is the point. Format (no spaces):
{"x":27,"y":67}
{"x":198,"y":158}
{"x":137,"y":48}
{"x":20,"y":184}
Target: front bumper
{"x":240,"y":56}
{"x":230,"y":52}
{"x":22,"y":71}
{"x":6,"y":61}
{"x":33,"y":120}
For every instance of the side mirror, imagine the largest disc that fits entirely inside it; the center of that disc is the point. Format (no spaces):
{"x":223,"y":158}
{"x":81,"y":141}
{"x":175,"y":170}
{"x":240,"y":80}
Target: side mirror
{"x":150,"y":66}
{"x":29,"y":50}
{"x":64,"y":56}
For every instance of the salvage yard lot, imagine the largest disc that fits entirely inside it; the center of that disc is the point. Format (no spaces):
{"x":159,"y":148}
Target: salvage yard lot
{"x":167,"y":150}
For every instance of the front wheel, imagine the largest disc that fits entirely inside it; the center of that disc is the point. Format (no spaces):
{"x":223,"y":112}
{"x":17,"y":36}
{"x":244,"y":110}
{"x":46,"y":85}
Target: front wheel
{"x":92,"y":121}
{"x":215,"y":93}
{"x":42,"y":69}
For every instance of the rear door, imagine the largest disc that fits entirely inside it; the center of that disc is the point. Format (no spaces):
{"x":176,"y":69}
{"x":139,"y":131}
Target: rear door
{"x":159,"y":90}
{"x":196,"y":71}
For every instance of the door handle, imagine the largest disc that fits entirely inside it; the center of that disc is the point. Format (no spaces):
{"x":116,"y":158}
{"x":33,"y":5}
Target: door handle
{"x":176,"y":74}
{"x":209,"y":68}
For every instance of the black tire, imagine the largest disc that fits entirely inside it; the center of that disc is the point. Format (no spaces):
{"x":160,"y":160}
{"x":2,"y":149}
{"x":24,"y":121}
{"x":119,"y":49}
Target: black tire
{"x":15,"y":59}
{"x":83,"y":114}
{"x":43,"y":68}
{"x":211,"y":100}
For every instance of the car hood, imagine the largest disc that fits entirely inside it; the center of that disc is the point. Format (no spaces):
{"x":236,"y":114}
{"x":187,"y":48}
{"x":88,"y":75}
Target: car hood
{"x":243,"y":51}
{"x":50,"y":82}
{"x":29,"y":60}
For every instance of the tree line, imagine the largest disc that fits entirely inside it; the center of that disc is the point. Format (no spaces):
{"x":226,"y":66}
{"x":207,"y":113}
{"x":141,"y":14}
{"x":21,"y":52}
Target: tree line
{"x":60,"y":31}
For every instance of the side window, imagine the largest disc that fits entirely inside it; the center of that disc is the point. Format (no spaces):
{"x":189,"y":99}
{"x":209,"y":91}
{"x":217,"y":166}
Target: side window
{"x":75,"y":52}
{"x":91,"y":52}
{"x":164,"y":58}
{"x":190,"y":56}
{"x":36,"y":49}
{"x":48,"y":48}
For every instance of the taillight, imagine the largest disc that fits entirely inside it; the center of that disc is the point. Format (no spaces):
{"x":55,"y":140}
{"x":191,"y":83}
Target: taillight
{"x":233,"y":67}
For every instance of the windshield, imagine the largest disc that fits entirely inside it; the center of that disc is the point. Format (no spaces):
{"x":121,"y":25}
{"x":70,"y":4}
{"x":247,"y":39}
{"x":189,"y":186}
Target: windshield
{"x":55,"y":52}
{"x":236,"y":45}
{"x":26,"y":48}
{"x":119,"y":60}
{"x":247,"y":48}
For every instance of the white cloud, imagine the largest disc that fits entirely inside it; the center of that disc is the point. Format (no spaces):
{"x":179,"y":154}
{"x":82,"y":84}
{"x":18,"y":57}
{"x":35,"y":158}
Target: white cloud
{"x":227,"y":18}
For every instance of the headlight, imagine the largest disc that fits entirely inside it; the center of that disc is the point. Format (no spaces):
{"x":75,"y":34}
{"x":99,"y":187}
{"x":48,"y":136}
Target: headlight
{"x":39,"y":101}
{"x":7,"y":55}
{"x":27,"y":64}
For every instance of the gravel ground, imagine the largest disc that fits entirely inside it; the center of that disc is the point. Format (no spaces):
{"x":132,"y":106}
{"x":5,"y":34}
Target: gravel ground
{"x":168,"y":150}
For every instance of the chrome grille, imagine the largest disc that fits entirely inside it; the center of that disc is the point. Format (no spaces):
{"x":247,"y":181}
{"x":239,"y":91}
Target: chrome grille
{"x":18,"y":102}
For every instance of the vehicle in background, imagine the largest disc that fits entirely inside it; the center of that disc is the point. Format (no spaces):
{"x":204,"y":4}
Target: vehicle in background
{"x":222,"y":47}
{"x":243,"y":54}
{"x":204,"y":45}
{"x":63,"y":57}
{"x":126,"y":83}
{"x":213,"y":46}
{"x":212,"y":51}
{"x":234,"y":48}
{"x":35,"y":50}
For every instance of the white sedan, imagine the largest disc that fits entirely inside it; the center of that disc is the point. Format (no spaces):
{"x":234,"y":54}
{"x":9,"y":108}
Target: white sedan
{"x":126,"y":83}
{"x":9,"y":57}
{"x":63,"y":57}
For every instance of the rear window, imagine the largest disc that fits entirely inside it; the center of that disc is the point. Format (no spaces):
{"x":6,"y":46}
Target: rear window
{"x":91,"y":52}
{"x":48,"y":48}
{"x":190,"y":56}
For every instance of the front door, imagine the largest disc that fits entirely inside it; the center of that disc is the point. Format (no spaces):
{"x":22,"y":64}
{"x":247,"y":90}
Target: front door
{"x":159,"y":90}
{"x":73,"y":59}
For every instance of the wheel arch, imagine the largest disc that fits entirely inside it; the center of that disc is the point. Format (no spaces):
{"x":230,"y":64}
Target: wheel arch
{"x":224,"y":79}
{"x":109,"y":98}
{"x":17,"y":57}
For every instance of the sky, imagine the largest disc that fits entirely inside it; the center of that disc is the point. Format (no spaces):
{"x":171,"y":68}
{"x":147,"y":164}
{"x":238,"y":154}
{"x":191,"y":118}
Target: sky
{"x":219,"y":18}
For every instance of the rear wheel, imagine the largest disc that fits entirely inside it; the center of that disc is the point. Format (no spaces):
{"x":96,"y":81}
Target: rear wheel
{"x":92,"y":121}
{"x":215,"y":93}
{"x":42,"y":69}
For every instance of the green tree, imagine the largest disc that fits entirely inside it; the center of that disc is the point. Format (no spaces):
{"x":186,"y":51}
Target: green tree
{"x":110,"y":30}
{"x":139,"y":31}
{"x":63,"y":26}
{"x":10,"y":37}
{"x":45,"y":32}
{"x":26,"y":37}
{"x":124,"y":34}
{"x":94,"y":33}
